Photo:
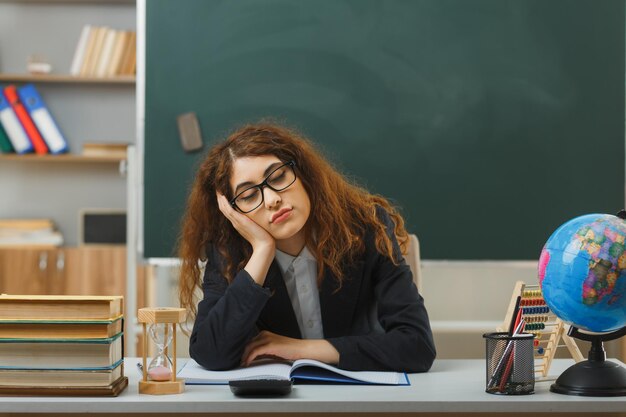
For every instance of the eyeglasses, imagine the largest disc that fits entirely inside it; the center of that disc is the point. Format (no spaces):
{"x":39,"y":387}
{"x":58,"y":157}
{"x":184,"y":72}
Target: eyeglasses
{"x":279,"y":179}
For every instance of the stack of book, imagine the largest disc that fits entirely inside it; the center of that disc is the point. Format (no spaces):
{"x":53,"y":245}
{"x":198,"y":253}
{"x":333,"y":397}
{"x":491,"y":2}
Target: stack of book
{"x":26,"y":125}
{"x":104,"y":52}
{"x":29,"y":232}
{"x":61,"y":345}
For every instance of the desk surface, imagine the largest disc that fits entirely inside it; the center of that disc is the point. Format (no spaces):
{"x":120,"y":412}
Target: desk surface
{"x":451,"y":386}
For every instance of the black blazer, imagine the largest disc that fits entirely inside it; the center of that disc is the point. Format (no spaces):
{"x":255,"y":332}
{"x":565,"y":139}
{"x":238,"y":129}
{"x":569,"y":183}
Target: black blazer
{"x":376,"y":321}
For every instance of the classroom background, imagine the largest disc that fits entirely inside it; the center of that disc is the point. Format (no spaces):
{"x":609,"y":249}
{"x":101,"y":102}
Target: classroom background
{"x":489,"y":122}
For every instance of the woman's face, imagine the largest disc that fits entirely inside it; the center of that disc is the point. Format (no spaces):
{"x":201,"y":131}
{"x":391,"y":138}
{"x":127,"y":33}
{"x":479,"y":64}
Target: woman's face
{"x":284,"y":213}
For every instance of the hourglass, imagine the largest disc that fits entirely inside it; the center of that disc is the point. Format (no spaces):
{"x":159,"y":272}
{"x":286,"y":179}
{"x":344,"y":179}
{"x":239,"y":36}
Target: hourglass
{"x":159,"y":375}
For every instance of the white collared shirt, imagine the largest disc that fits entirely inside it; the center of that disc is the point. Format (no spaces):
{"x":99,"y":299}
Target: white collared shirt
{"x":300,"y":275}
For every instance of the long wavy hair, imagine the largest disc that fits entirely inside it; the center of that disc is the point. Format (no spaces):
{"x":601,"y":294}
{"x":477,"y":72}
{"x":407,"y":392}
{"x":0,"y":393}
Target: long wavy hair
{"x":341,"y":211}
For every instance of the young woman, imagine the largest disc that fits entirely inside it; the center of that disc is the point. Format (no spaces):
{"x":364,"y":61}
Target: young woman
{"x":300,"y":263}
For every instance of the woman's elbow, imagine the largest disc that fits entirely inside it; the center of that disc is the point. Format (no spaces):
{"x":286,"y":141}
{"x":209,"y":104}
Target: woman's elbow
{"x":423,"y":357}
{"x":425,"y":362}
{"x":209,"y":357}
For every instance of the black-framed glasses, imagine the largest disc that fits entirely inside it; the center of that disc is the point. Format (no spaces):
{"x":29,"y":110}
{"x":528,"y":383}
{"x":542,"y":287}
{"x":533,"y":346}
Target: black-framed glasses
{"x":279,"y":179}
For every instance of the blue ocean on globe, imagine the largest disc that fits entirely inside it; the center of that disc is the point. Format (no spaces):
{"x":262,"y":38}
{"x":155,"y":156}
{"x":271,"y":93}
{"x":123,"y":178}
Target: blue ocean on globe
{"x":582,"y":272}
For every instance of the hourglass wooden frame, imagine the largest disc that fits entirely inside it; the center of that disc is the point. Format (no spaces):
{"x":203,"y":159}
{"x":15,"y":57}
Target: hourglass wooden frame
{"x":169,"y":316}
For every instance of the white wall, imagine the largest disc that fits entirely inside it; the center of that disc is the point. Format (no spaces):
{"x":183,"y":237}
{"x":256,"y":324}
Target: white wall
{"x":466,"y":299}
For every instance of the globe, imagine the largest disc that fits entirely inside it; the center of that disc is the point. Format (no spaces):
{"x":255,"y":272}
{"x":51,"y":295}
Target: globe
{"x":582,"y":272}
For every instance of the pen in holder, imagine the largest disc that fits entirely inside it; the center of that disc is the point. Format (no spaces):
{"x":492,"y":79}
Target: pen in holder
{"x":510,"y":363}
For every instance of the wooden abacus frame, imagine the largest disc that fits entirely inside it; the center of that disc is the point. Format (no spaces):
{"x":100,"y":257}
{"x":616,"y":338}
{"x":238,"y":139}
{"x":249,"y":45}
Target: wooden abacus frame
{"x":548,"y":329}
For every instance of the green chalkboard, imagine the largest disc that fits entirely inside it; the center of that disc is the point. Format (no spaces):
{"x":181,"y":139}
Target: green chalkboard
{"x":489,"y":122}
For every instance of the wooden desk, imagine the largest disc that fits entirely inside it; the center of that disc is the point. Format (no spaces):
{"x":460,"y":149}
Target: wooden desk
{"x":452,"y":386}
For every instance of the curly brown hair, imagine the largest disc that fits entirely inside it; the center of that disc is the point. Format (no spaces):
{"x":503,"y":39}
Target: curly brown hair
{"x":341,"y":211}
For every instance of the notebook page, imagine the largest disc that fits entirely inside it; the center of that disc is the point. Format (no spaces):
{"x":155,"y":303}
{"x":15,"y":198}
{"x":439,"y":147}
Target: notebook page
{"x":193,"y":373}
{"x":372,"y":377}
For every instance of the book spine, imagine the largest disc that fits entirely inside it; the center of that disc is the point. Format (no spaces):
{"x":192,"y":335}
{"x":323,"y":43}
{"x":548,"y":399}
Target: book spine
{"x":61,"y":308}
{"x":26,"y":224}
{"x":70,"y":354}
{"x":92,"y":64}
{"x":19,"y":140}
{"x":132,"y":65}
{"x":89,"y":48}
{"x":107,"y":52}
{"x":10,"y":93}
{"x":79,"y":54}
{"x":116,"y":57}
{"x":43,"y":119}
{"x":127,"y":64}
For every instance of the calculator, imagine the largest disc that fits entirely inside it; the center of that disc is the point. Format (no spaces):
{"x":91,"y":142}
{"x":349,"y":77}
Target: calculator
{"x":260,"y":387}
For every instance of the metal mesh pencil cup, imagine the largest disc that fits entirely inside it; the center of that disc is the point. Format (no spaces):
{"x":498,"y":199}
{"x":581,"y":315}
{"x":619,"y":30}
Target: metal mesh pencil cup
{"x":510,"y":364}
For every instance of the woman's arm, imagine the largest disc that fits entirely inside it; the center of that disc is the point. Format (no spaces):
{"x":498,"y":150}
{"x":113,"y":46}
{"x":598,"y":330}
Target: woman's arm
{"x":227,"y":314}
{"x":226,"y":319}
{"x":263,"y":244}
{"x":407,"y":342}
{"x":268,"y":344}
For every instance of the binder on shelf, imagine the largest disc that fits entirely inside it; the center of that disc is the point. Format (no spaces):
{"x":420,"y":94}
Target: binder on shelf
{"x":43,"y":119}
{"x":16,"y":133}
{"x":10,"y":93}
{"x":5,"y":143}
{"x":81,"y":48}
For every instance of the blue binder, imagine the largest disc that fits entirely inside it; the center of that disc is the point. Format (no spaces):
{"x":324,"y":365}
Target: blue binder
{"x":43,"y":119}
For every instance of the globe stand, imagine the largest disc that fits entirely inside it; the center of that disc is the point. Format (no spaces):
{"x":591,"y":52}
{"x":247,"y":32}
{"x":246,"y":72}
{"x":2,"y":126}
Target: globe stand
{"x":595,"y":377}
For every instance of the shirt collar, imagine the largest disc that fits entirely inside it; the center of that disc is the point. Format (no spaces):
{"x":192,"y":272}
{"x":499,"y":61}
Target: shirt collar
{"x":285,"y":260}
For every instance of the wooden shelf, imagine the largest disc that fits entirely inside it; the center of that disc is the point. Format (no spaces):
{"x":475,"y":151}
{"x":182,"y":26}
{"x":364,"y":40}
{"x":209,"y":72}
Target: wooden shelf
{"x":62,"y":158}
{"x":66,"y":79}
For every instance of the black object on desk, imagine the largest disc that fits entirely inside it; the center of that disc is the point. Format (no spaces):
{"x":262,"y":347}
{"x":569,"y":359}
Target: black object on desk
{"x":595,"y":377}
{"x":260,"y":387}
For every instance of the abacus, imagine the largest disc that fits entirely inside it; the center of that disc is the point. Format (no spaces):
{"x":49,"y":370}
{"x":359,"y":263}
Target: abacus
{"x":548,"y":329}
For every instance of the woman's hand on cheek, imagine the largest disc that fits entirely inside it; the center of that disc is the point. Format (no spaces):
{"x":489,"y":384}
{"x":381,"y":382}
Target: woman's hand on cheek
{"x":246,"y":227}
{"x":268,"y":344}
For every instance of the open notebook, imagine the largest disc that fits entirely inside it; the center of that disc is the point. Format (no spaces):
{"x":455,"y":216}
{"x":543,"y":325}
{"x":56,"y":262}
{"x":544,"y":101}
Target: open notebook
{"x":302,"y":369}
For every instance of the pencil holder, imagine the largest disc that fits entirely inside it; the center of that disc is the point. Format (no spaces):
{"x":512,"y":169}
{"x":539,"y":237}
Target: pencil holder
{"x":510,"y":364}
